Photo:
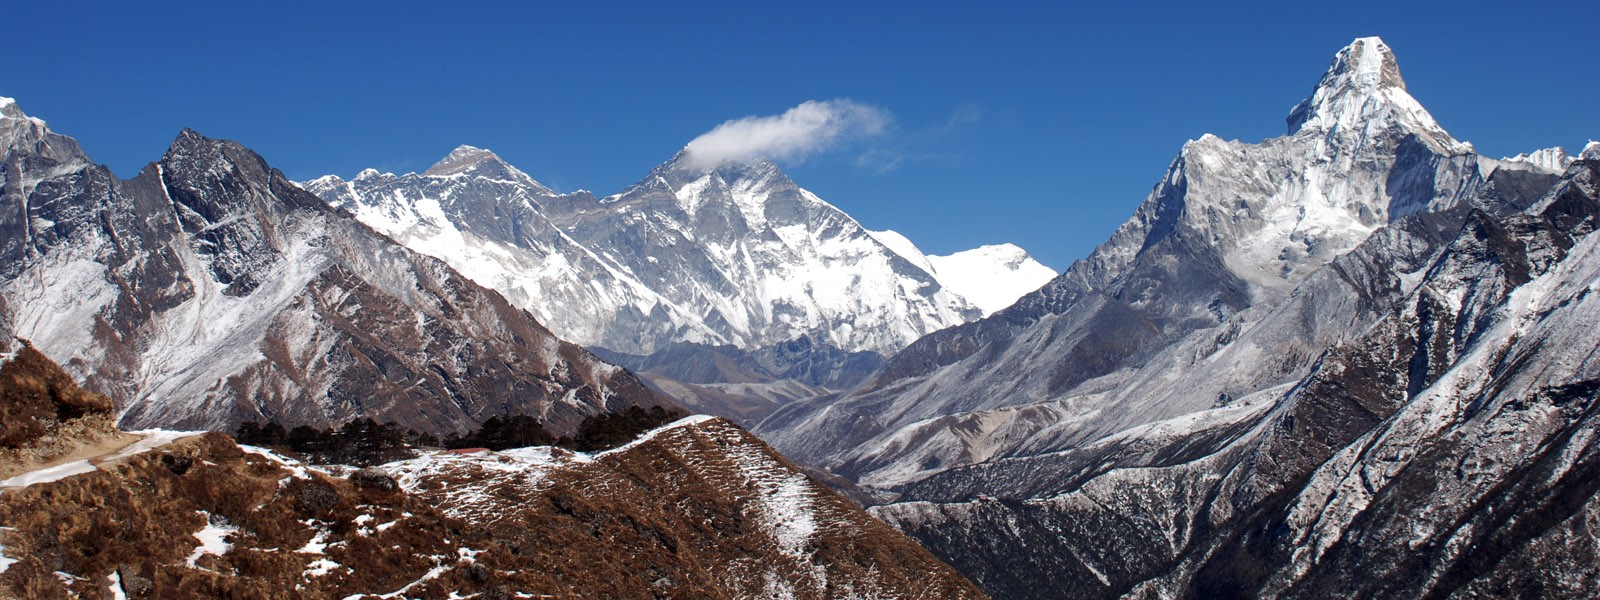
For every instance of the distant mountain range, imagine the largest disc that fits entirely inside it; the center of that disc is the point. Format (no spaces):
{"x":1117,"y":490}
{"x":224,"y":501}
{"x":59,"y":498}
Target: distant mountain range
{"x":730,"y":287}
{"x":734,"y":254}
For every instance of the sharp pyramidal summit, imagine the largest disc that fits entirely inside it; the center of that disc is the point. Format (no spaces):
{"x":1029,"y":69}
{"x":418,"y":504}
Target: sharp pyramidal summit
{"x":1355,"y":360}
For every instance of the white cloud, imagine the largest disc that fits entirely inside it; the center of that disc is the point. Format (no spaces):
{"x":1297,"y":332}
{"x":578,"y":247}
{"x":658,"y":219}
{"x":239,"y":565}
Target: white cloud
{"x":807,"y":129}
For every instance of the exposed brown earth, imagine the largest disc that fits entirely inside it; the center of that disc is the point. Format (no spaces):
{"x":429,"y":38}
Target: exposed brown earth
{"x":678,"y":516}
{"x":46,"y":419}
{"x":699,"y":509}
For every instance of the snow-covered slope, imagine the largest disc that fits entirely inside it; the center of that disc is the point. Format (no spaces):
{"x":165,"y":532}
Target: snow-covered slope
{"x":1446,"y":448}
{"x":210,"y":289}
{"x":1178,"y":311}
{"x":990,"y":277}
{"x":723,"y":255}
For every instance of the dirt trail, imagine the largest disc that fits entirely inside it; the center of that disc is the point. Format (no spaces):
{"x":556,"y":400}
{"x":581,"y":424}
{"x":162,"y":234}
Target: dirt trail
{"x":93,"y":452}
{"x":88,"y":457}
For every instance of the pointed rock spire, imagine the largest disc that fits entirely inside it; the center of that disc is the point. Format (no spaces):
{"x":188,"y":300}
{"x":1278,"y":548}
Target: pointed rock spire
{"x":1363,"y":90}
{"x":29,"y":135}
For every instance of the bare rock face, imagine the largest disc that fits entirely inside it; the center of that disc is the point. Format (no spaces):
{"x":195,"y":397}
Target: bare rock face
{"x":698,"y":509}
{"x":210,"y":290}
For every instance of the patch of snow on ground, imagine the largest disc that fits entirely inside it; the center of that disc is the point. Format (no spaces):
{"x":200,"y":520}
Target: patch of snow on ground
{"x":785,"y":501}
{"x":649,"y":435}
{"x":319,"y":567}
{"x":5,"y":563}
{"x":319,"y":540}
{"x":296,"y":468}
{"x":49,"y":474}
{"x":213,"y":539}
{"x":432,"y":574}
{"x":153,"y":438}
{"x":115,"y":586}
{"x":471,"y":499}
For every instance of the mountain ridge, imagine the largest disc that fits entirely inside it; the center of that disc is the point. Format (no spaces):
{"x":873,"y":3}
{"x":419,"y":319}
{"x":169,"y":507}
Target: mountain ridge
{"x":1226,"y":235}
{"x":752,"y":190}
{"x":210,"y":289}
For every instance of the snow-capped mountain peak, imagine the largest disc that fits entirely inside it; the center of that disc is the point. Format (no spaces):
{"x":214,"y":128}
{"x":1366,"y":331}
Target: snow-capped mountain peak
{"x":1362,"y":92}
{"x":475,"y":161}
{"x":1553,"y":159}
{"x":9,"y":109}
{"x":991,"y":277}
{"x":1591,"y":151}
{"x":462,"y":158}
{"x":1227,"y":236}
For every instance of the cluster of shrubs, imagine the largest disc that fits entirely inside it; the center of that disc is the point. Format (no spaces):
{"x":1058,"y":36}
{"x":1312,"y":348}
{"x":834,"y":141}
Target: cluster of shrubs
{"x":609,"y":430}
{"x":364,"y":442}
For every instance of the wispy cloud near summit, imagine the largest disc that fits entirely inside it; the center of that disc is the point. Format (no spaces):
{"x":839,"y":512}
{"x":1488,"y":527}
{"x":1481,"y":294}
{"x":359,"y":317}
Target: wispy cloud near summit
{"x":811,"y":127}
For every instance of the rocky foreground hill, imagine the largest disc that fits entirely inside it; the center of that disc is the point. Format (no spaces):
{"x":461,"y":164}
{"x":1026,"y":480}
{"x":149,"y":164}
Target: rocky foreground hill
{"x":696,"y":509}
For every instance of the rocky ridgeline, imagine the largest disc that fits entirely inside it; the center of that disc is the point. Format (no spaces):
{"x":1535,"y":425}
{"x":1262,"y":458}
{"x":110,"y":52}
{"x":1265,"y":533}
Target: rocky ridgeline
{"x":209,"y":290}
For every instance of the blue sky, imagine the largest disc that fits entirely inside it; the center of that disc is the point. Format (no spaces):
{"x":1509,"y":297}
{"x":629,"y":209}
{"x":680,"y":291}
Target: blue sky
{"x":1042,"y":124}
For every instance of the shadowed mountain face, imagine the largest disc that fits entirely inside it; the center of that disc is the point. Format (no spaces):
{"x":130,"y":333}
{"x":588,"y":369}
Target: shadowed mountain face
{"x":209,"y":289}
